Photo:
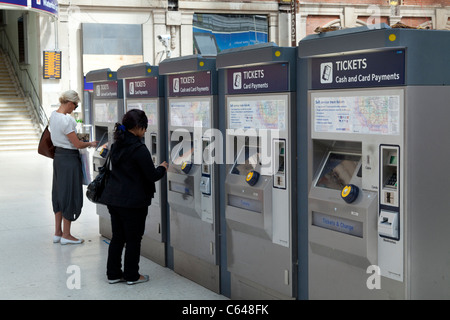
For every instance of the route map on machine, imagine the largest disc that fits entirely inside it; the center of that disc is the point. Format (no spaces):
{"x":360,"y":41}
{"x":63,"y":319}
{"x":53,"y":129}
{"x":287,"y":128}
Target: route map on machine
{"x":190,"y":113}
{"x":261,"y":114}
{"x":361,"y":114}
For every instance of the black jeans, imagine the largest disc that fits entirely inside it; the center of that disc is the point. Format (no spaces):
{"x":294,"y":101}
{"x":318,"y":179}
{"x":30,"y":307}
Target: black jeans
{"x":128,"y":226}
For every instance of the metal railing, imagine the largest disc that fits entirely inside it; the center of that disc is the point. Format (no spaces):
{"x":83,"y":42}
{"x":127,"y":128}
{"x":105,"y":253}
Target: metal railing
{"x":24,"y":78}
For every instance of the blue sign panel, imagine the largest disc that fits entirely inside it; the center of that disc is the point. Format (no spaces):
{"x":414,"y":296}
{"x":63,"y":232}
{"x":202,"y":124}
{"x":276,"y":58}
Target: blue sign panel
{"x":373,"y":69}
{"x":23,"y":3}
{"x":256,"y":79}
{"x":47,"y":6}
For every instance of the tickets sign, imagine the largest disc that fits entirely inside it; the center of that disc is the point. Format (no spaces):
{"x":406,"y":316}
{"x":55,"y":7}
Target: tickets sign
{"x":373,"y":69}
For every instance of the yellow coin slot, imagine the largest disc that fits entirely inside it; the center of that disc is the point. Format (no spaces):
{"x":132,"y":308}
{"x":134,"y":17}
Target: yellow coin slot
{"x":346,"y":191}
{"x":183,"y":165}
{"x":149,"y":70}
{"x":249,"y":176}
{"x":277,"y":53}
{"x":201,"y":63}
{"x":392,"y":37}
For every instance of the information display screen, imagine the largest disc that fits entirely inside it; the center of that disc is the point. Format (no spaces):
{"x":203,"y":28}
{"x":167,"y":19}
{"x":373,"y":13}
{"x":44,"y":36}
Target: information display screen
{"x":185,"y":156}
{"x":338,"y":170}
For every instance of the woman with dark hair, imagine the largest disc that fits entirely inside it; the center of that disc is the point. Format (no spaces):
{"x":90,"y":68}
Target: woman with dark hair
{"x":128,"y":193}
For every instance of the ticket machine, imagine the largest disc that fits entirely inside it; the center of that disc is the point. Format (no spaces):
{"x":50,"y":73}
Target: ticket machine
{"x":192,"y":184}
{"x":377,"y":102}
{"x":144,"y":90}
{"x":108,"y":109}
{"x":258,"y":97}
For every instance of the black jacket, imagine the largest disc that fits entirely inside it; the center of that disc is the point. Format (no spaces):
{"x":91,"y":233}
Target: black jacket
{"x":133,"y":175}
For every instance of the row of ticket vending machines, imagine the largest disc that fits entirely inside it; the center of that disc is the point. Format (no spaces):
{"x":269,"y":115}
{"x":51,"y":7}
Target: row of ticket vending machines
{"x":308,"y":172}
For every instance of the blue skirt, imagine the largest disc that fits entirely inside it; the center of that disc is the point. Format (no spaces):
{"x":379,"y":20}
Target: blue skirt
{"x":67,"y":190}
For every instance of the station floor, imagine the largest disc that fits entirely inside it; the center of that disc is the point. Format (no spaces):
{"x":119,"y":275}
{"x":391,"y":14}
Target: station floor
{"x":32,"y":267}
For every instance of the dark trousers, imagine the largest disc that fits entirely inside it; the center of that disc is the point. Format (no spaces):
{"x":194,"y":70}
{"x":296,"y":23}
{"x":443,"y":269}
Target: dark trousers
{"x":128,"y":227}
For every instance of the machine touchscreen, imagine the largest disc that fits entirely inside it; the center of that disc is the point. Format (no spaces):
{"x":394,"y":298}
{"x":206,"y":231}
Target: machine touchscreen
{"x":246,"y":161}
{"x":184,"y":157}
{"x":338,"y":170}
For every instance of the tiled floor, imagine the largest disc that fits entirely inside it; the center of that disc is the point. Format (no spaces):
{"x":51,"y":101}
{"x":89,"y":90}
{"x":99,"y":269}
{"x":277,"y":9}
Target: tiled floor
{"x":32,"y":267}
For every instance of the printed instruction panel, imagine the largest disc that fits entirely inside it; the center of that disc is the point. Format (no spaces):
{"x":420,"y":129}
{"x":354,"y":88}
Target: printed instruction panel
{"x":190,"y":112}
{"x":377,"y":114}
{"x":262,"y":112}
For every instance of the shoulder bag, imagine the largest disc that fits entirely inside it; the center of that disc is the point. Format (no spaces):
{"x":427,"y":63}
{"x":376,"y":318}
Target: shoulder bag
{"x":46,"y":147}
{"x":96,"y":187}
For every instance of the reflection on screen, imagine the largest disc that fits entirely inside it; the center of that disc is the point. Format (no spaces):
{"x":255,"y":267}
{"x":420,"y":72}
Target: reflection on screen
{"x":338,"y":170}
{"x":246,"y":161}
{"x":184,"y":157}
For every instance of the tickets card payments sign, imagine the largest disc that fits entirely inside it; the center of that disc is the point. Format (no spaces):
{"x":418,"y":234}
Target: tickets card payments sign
{"x":255,"y":79}
{"x":142,"y":87}
{"x":372,"y":69}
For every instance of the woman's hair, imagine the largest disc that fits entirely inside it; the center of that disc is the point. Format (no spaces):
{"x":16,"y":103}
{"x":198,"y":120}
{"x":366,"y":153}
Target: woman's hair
{"x":132,"y":119}
{"x":69,"y":96}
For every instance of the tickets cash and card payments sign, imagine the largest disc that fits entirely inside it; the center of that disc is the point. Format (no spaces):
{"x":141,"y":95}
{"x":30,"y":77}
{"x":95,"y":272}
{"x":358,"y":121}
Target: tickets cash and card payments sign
{"x":373,"y":69}
{"x":190,"y":84}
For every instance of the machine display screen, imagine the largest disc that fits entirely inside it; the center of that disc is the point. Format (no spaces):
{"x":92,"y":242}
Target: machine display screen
{"x":338,"y":170}
{"x":184,"y":157}
{"x":246,"y":161}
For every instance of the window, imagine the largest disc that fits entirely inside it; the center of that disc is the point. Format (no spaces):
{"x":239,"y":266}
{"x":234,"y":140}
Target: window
{"x":22,"y":39}
{"x":216,"y":32}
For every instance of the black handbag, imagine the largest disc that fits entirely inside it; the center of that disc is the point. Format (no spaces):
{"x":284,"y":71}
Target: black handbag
{"x":46,"y":147}
{"x":96,"y":187}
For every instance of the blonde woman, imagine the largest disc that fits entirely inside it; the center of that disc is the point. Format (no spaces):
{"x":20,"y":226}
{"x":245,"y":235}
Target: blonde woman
{"x":67,"y":190}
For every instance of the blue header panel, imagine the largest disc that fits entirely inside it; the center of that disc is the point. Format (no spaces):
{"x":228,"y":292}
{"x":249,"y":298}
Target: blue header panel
{"x":47,"y":6}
